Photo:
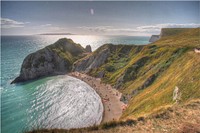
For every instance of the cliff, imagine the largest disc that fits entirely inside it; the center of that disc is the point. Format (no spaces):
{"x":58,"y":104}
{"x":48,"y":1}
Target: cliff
{"x":154,"y":38}
{"x":148,"y":75}
{"x":51,"y":60}
{"x":167,"y":32}
{"x":104,"y":57}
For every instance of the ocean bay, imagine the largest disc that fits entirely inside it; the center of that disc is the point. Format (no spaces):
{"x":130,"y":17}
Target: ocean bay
{"x":19,"y":107}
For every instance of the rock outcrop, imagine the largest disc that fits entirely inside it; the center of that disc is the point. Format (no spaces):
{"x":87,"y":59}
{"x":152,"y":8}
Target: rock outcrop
{"x":88,"y":49}
{"x":51,"y":60}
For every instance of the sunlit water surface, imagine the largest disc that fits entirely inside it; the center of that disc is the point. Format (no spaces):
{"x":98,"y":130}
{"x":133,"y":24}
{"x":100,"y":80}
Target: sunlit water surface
{"x":53,"y":102}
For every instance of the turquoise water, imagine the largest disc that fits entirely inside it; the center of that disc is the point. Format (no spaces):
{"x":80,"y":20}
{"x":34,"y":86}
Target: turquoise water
{"x":53,"y":102}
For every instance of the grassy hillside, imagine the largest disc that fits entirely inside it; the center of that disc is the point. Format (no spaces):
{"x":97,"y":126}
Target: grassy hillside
{"x":67,"y":49}
{"x":186,"y":38}
{"x":166,"y":32}
{"x":148,"y":78}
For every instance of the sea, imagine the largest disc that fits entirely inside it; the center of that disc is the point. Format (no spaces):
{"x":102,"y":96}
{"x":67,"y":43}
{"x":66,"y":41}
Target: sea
{"x":51,"y":102}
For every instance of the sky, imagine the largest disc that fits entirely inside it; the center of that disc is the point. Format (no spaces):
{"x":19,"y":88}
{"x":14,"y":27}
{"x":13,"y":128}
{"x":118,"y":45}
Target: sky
{"x":97,"y":18}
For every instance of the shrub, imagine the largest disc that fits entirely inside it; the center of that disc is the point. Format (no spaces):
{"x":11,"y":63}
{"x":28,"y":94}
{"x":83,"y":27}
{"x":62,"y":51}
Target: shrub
{"x":110,"y":68}
{"x":140,"y":119}
{"x":130,"y":122}
{"x":108,"y":125}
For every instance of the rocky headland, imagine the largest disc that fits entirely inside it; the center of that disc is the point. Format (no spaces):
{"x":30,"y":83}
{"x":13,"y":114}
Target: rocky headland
{"x":52,"y":60}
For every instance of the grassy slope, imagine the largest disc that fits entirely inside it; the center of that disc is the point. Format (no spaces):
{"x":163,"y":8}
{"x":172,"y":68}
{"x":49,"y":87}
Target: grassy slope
{"x":166,"y":32}
{"x":182,"y":71}
{"x":171,"y":62}
{"x":67,"y":50}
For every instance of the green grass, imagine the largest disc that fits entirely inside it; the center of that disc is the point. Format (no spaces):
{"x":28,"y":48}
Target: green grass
{"x":166,"y":32}
{"x":171,"y":61}
{"x":67,"y":50}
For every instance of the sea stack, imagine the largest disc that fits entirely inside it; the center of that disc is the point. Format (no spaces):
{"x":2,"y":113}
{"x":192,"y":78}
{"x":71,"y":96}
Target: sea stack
{"x":88,"y":48}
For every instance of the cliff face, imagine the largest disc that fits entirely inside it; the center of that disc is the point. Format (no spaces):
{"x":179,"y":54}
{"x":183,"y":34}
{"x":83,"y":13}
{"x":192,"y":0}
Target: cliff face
{"x":53,"y":59}
{"x":92,"y":61}
{"x":104,"y":55}
{"x":167,"y":32}
{"x":154,"y":38}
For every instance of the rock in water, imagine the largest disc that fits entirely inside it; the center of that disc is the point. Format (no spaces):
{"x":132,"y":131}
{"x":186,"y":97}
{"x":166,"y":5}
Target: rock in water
{"x":51,"y":60}
{"x":88,"y":48}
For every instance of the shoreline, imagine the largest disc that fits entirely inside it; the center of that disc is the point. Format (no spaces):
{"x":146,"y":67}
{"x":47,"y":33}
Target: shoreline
{"x":110,"y":97}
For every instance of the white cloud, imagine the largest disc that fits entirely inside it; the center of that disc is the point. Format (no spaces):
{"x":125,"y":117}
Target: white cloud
{"x":103,"y":29}
{"x":46,"y":25}
{"x":96,"y":29}
{"x":47,"y":28}
{"x":9,"y":23}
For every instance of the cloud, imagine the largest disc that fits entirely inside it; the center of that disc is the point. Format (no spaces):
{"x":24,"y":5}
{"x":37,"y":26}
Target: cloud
{"x":96,"y":29}
{"x":9,"y":23}
{"x":108,"y":29}
{"x":51,"y":27}
{"x":46,"y":25}
{"x":46,"y":28}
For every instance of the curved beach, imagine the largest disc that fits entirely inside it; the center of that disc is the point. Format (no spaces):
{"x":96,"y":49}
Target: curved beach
{"x":113,"y":107}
